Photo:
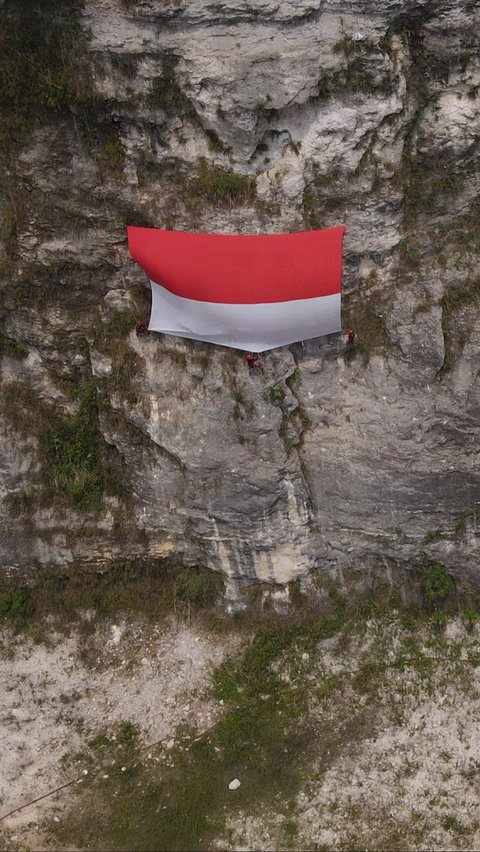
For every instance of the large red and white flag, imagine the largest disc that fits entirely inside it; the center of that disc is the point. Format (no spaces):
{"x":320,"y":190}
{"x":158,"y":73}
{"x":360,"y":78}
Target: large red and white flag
{"x":248,"y":292}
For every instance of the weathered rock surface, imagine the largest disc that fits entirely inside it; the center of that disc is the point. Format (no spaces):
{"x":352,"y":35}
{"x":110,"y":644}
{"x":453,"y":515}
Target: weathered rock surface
{"x":353,"y":112}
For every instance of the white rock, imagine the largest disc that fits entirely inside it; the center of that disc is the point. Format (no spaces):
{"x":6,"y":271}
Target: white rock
{"x":22,"y":715}
{"x":235,"y":784}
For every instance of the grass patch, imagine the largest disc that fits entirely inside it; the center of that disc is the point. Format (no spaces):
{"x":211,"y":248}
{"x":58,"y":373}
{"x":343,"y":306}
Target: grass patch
{"x":111,"y":156}
{"x":71,"y":452}
{"x":463,"y":231}
{"x":275,"y":395}
{"x":312,"y":215}
{"x":260,"y":740}
{"x":125,"y":361}
{"x":13,"y":212}
{"x":166,"y":93}
{"x":11,"y":348}
{"x":17,"y":605}
{"x":360,"y":75}
{"x":41,"y":66}
{"x":410,"y":255}
{"x":197,"y":588}
{"x":429,"y":183}
{"x":436,"y":585}
{"x":429,"y":180}
{"x":215,"y":185}
{"x":289,"y":709}
{"x":267,"y":738}
{"x":77,"y":466}
{"x":125,"y":368}
{"x":119,"y":326}
{"x":61,"y":283}
{"x":454,"y":302}
{"x":202,"y":359}
{"x":295,"y":379}
{"x":288,"y":433}
{"x":151,"y":588}
{"x":369,"y":329}
{"x":432,"y":535}
{"x":215,"y":144}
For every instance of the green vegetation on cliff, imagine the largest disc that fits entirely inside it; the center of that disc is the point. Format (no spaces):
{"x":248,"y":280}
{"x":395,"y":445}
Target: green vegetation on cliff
{"x":41,"y":64}
{"x":77,"y":466}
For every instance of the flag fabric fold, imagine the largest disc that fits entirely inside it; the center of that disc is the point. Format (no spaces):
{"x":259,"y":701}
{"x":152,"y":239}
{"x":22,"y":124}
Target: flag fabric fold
{"x":248,"y":292}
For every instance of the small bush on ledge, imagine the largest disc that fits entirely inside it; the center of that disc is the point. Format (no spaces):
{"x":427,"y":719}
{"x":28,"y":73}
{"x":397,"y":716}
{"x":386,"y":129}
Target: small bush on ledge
{"x":275,"y":395}
{"x":216,"y":185}
{"x":436,"y":585}
{"x":111,"y":156}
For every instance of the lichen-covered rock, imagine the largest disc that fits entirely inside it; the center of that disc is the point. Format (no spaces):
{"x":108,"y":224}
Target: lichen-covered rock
{"x":237,"y":117}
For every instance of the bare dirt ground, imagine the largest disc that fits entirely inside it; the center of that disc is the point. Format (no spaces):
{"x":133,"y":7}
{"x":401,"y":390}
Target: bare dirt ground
{"x":394,"y":709}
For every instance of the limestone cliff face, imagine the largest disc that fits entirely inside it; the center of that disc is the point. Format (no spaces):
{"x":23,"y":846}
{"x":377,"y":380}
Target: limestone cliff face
{"x":233,"y":117}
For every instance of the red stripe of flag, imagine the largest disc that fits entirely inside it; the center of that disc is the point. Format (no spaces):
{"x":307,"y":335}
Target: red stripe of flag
{"x":241,"y":269}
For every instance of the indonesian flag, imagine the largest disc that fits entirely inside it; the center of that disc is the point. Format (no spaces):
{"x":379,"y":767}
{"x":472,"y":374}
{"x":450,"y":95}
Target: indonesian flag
{"x":247,"y":292}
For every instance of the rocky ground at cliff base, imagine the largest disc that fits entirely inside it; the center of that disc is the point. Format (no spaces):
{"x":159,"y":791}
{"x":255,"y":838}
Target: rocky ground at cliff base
{"x":360,"y":734}
{"x":246,"y":117}
{"x":60,"y":694}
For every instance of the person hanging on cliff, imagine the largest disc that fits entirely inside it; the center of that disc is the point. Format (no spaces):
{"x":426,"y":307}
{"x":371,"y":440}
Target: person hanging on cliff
{"x":141,"y":328}
{"x":252,"y":359}
{"x":350,"y":339}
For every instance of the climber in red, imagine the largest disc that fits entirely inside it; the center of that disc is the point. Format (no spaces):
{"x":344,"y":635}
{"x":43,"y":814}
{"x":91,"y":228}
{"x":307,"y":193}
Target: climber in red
{"x":252,"y":359}
{"x":141,"y":328}
{"x":350,"y":337}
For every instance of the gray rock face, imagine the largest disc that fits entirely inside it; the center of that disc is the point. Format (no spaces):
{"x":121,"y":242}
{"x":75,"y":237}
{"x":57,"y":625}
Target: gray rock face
{"x":353,"y":112}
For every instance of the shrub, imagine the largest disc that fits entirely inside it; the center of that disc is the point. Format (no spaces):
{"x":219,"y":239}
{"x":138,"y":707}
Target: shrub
{"x":166,"y":93}
{"x":152,"y":588}
{"x":39,"y":65}
{"x":198,"y":587}
{"x":436,"y":584}
{"x":128,"y":733}
{"x":347,"y":45}
{"x":369,"y":330}
{"x":72,"y":454}
{"x":214,"y":142}
{"x":8,"y":229}
{"x":12,"y":348}
{"x":295,"y":378}
{"x":219,"y":186}
{"x":432,"y":535}
{"x":275,"y":395}
{"x":310,"y":209}
{"x":111,"y":156}
{"x":410,"y":256}
{"x":472,"y":616}
{"x":16,"y":604}
{"x":5,"y":603}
